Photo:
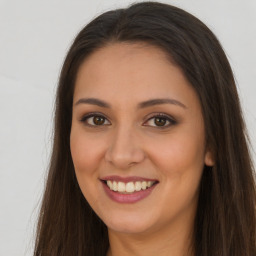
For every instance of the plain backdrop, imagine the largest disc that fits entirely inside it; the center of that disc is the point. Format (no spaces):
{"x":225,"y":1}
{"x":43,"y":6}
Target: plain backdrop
{"x":35,"y":36}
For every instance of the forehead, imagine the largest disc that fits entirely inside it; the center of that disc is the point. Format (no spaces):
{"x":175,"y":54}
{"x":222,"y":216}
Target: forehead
{"x":122,"y":57}
{"x":125,"y":72}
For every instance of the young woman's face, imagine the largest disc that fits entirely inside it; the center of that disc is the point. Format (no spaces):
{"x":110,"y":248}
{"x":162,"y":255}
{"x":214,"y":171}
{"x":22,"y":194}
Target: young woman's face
{"x":137,"y":126}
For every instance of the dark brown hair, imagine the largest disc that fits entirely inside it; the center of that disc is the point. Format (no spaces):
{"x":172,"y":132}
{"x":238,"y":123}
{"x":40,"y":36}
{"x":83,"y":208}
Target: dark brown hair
{"x":225,"y":221}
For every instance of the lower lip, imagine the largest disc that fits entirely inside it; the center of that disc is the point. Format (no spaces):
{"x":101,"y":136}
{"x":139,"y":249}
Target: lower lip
{"x":127,"y":198}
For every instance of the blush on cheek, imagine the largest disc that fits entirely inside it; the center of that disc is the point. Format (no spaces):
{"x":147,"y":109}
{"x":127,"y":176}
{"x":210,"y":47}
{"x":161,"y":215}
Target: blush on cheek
{"x":181,"y":162}
{"x":84,"y":157}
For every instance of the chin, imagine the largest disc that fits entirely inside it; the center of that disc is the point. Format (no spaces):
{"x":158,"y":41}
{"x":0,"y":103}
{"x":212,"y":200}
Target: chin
{"x":129,"y":224}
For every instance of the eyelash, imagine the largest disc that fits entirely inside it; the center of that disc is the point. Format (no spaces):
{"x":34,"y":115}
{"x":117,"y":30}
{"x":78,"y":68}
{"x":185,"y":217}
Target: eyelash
{"x":171,"y":121}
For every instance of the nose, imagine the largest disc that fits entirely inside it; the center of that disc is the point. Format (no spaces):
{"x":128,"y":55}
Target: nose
{"x":124,"y":149}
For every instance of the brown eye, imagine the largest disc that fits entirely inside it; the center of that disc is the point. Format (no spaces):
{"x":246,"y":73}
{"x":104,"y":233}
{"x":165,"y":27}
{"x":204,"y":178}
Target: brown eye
{"x":94,"y":120}
{"x":98,"y":120}
{"x":160,"y":121}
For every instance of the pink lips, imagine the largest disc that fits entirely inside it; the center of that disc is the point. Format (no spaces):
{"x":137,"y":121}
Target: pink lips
{"x":127,"y":198}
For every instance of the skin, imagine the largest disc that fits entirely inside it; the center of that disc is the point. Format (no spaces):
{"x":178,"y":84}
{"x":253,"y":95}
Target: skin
{"x":130,"y":143}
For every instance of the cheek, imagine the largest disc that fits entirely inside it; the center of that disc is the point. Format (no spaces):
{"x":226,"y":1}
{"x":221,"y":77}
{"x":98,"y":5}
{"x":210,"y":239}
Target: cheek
{"x":86,"y":152}
{"x":179,"y":159}
{"x":178,"y":152}
{"x":180,"y":162}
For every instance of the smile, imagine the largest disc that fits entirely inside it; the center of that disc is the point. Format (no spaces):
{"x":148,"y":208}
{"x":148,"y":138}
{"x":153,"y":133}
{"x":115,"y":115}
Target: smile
{"x":129,"y":189}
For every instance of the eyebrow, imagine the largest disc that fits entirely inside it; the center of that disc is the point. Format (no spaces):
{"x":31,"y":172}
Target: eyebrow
{"x":144,"y":104}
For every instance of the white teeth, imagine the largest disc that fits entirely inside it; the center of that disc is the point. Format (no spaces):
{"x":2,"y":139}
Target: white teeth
{"x":115,"y":187}
{"x":138,"y":186}
{"x":144,"y":185}
{"x":150,"y":183}
{"x":129,"y":187}
{"x":110,"y":185}
{"x":121,"y":187}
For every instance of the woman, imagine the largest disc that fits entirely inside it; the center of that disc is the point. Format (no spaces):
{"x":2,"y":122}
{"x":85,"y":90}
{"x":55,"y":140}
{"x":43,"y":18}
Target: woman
{"x":150,"y":151}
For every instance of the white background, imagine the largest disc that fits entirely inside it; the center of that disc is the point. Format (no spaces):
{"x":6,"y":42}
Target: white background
{"x":34,"y":37}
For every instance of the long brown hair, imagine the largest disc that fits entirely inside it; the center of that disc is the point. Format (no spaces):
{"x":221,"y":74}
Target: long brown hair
{"x":225,"y":221}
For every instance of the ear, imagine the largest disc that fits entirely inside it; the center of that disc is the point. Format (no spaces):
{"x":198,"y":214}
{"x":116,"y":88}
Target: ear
{"x":209,"y":159}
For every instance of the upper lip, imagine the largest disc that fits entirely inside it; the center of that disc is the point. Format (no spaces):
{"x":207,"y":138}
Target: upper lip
{"x":126,"y":179}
